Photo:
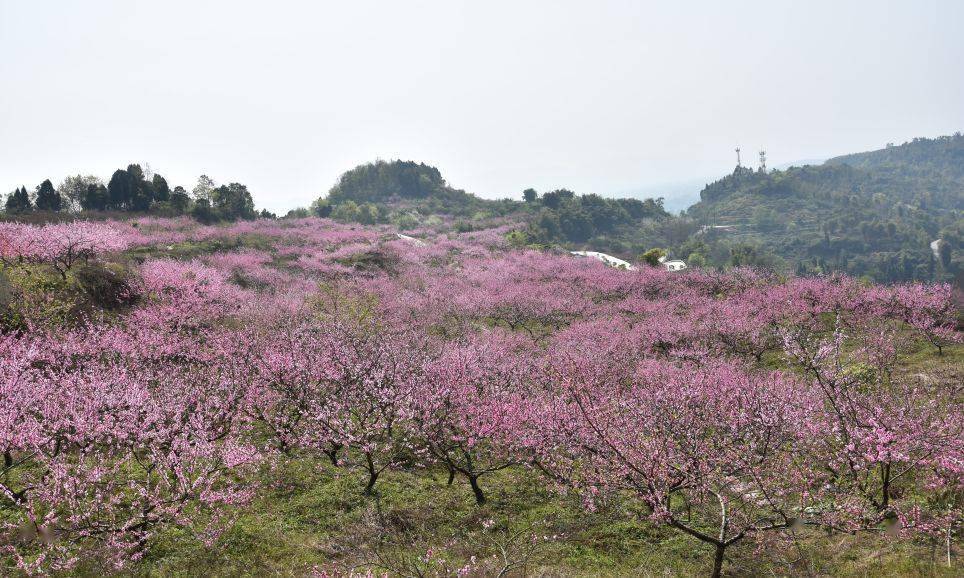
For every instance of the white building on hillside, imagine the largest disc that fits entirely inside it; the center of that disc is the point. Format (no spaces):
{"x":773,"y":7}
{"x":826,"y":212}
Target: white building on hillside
{"x":672,"y":265}
{"x":615,"y":262}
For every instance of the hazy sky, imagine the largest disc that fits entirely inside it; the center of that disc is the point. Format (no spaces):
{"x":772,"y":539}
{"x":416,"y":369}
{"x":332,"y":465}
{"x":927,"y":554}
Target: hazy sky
{"x":598,"y":96}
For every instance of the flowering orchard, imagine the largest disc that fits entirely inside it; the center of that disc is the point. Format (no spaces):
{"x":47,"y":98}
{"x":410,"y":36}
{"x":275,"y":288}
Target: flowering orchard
{"x":730,"y":407}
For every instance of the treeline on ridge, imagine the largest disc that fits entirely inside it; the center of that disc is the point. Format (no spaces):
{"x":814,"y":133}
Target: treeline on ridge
{"x":409,"y":195}
{"x":134,"y":190}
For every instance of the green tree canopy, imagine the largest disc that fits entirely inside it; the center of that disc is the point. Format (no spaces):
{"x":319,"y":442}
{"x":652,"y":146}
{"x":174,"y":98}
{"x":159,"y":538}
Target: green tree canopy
{"x":162,"y":193}
{"x":94,"y":198}
{"x":382,"y":181}
{"x":180,"y":201}
{"x":321,"y":208}
{"x":48,"y":199}
{"x":233,"y":201}
{"x":19,"y":201}
{"x":119,"y":190}
{"x":652,"y":256}
{"x":555,"y":199}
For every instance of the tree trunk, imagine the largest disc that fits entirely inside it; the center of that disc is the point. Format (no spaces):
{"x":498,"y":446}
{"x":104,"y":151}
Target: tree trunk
{"x":451,"y":475}
{"x":885,"y":485}
{"x":370,"y":486}
{"x":372,"y":475}
{"x":718,"y":561}
{"x":479,"y":495}
{"x":333,"y":454}
{"x":140,"y":548}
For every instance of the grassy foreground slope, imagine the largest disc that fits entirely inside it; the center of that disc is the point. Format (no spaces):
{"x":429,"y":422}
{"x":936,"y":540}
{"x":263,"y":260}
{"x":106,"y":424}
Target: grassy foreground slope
{"x":310,"y":518}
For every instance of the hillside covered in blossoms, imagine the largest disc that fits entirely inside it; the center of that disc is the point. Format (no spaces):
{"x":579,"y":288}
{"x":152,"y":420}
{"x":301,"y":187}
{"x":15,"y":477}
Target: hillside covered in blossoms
{"x":302,"y":397}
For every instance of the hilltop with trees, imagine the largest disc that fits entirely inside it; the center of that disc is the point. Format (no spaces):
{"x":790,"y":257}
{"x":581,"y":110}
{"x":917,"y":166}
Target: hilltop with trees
{"x":132,"y":190}
{"x":893,"y":214}
{"x":874,"y":214}
{"x":410,"y":195}
{"x":404,"y":193}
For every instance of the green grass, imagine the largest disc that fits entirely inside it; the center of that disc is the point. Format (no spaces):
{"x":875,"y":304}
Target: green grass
{"x":922,"y":356}
{"x":309,"y":515}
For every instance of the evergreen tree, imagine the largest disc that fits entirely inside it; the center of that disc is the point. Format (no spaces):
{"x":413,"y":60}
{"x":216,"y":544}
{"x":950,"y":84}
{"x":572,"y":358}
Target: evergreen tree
{"x":119,"y":190}
{"x":142,"y":191}
{"x":19,"y":201}
{"x":555,"y":199}
{"x":95,"y":198}
{"x":945,"y":253}
{"x":202,"y":211}
{"x":180,"y":200}
{"x":575,"y":223}
{"x":48,"y":199}
{"x":162,"y":193}
{"x":320,"y":208}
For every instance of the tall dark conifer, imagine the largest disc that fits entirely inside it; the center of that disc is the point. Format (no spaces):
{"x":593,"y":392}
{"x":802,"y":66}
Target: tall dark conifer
{"x":142,"y":191}
{"x":95,"y":198}
{"x":162,"y":193}
{"x":18,"y":201}
{"x":48,"y":199}
{"x":119,"y":191}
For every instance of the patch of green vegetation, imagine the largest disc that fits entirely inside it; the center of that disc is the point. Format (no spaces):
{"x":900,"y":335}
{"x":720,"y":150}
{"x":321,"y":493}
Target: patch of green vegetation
{"x":372,"y":260}
{"x":36,"y":293}
{"x":192,"y":249}
{"x":924,"y":356}
{"x":309,"y":515}
{"x":187,"y":249}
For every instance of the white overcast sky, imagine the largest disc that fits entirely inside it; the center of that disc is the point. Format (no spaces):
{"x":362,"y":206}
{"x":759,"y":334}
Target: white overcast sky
{"x":598,"y":96}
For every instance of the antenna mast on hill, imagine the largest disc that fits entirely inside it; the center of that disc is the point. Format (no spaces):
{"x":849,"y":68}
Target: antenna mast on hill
{"x":763,"y":161}
{"x":737,"y":157}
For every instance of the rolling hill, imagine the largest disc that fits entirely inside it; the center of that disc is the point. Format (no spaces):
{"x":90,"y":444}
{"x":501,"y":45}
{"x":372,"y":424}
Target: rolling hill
{"x":872,"y":214}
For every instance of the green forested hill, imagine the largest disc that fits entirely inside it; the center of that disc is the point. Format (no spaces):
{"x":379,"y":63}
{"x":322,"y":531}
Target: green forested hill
{"x":875,"y":214}
{"x":895,"y":214}
{"x":411,"y":195}
{"x":405,"y":193}
{"x":940,"y":159}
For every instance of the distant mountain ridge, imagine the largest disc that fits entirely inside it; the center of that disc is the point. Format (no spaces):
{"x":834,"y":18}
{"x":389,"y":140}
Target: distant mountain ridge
{"x":873,"y":213}
{"x":941,"y":157}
